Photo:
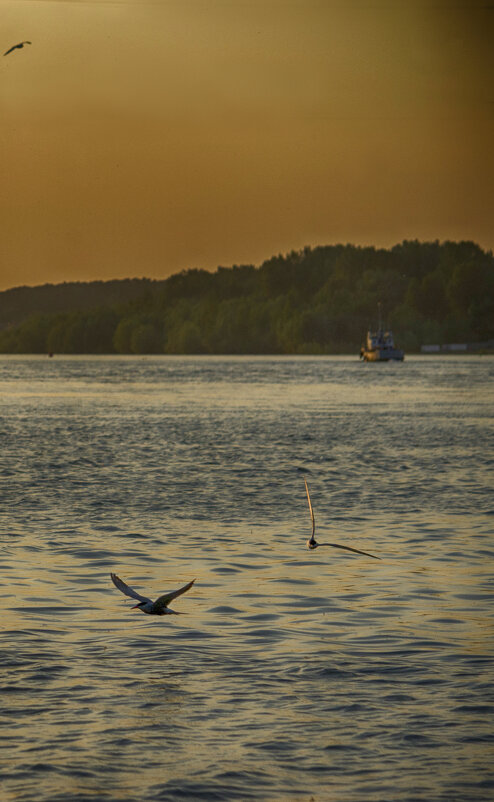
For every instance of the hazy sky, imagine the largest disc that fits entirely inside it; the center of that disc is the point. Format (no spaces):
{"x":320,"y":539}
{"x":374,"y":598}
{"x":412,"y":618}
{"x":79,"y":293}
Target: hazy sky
{"x":141,"y":138}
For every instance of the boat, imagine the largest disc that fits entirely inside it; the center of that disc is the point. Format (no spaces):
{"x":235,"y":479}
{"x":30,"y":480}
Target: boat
{"x":380,"y":345}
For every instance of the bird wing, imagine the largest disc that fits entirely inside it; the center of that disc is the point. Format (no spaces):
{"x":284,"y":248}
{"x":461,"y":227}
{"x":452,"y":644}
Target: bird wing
{"x":165,"y":600}
{"x":310,"y":508}
{"x":14,"y":47}
{"x":120,"y":584}
{"x":348,"y":548}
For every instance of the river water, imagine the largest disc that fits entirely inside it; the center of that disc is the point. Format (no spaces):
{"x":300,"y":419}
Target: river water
{"x":290,"y":675}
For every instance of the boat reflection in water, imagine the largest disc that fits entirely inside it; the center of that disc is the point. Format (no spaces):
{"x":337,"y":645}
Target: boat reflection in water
{"x":380,"y":346}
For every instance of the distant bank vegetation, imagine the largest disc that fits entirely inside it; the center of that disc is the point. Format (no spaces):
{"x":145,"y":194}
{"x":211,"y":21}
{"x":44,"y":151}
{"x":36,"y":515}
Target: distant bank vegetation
{"x":315,"y":301}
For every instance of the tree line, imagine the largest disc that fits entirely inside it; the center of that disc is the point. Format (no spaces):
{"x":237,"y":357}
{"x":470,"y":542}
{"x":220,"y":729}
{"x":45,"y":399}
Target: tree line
{"x":314,"y":301}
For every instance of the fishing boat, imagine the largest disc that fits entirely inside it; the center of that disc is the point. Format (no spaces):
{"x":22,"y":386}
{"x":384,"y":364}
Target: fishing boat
{"x":380,"y":345}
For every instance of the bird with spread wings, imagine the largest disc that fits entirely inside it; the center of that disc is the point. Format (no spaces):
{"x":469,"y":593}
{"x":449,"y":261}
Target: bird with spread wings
{"x":312,"y":542}
{"x":160,"y":606}
{"x":15,"y":47}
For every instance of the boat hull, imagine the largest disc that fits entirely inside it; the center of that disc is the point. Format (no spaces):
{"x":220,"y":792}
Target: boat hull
{"x":383,"y":355}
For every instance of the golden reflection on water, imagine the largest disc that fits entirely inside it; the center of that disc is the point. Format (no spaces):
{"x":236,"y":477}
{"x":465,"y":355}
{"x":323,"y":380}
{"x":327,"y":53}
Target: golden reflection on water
{"x":57,"y":588}
{"x":288,"y":672}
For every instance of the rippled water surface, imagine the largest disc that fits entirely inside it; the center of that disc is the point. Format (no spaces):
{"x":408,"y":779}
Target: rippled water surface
{"x":291,"y":675}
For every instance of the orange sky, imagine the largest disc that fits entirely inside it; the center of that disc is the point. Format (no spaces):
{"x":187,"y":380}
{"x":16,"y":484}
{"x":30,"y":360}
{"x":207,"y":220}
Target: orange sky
{"x":141,"y":138}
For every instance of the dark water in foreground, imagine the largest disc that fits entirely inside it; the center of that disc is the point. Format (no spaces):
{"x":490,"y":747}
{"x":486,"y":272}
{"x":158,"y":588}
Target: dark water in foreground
{"x":293,"y":675}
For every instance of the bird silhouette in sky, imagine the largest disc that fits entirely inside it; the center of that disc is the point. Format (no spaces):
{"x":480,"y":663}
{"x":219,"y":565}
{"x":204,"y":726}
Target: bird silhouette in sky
{"x":160,"y":606}
{"x":312,"y":542}
{"x":14,"y":47}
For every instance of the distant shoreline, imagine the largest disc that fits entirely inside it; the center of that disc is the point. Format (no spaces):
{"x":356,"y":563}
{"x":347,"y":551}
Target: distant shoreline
{"x":322,"y":300}
{"x":350,"y":356}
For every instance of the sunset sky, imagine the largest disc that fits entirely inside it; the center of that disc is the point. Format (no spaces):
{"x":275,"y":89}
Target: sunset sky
{"x":142,"y":138}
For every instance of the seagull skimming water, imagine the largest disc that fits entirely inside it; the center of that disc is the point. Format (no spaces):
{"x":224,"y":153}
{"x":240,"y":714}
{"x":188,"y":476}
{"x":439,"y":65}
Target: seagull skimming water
{"x":160,"y":606}
{"x":14,"y":47}
{"x":312,"y":542}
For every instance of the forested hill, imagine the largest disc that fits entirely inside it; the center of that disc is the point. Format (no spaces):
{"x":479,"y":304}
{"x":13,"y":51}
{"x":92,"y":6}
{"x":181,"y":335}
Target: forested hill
{"x":318,"y":300}
{"x":19,"y":303}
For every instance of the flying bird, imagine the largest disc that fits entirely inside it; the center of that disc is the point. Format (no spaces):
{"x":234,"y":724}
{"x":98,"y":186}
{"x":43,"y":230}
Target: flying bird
{"x":21,"y":44}
{"x":312,"y":542}
{"x":160,"y":606}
